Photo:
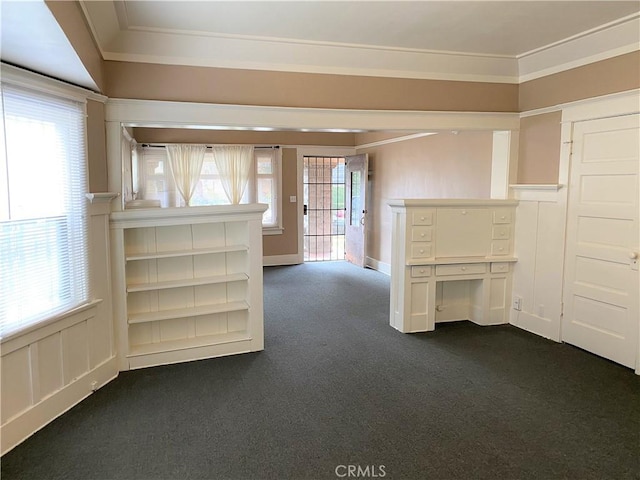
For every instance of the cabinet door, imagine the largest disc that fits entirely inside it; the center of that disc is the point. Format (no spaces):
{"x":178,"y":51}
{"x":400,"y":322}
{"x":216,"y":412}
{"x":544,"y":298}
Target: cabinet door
{"x":463,"y":232}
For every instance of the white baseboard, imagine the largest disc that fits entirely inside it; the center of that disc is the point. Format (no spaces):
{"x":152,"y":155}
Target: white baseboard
{"x":381,"y":267}
{"x":275,"y":260}
{"x":545,"y":327}
{"x":25,"y":424}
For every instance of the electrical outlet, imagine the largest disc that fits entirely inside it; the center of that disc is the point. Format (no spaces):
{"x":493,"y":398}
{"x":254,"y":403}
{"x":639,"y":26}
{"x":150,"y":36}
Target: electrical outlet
{"x":517,"y":303}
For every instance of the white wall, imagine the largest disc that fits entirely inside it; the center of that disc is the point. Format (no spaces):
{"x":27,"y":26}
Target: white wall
{"x":539,"y":247}
{"x":51,"y":368}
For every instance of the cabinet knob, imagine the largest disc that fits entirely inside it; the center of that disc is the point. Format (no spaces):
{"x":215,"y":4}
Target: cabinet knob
{"x":422,"y":250}
{"x":422,"y":270}
{"x":422,"y":234}
{"x":463,"y":268}
{"x":421,"y":218}
{"x":464,"y":212}
{"x":502,"y":234}
{"x":503,"y":217}
{"x":501,"y":249}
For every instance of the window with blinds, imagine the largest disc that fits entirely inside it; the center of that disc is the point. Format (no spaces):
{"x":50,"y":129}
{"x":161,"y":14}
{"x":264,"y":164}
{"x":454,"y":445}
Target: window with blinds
{"x":43,"y":215}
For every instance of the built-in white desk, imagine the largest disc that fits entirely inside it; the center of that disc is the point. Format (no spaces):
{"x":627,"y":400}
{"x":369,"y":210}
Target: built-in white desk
{"x":469,"y":242}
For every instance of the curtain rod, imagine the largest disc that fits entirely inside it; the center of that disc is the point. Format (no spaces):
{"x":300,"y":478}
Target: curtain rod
{"x":163,"y":145}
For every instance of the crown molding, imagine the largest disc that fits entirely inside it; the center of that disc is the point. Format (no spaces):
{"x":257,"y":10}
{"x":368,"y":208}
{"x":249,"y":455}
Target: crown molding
{"x":607,"y":41}
{"x":120,"y":41}
{"x":256,"y":54}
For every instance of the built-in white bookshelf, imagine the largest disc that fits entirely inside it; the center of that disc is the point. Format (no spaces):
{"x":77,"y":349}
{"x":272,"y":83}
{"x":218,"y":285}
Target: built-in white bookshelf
{"x":187,"y":283}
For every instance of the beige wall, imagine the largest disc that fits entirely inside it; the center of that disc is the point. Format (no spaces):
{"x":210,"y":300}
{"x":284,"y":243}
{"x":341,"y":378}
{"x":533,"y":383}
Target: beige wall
{"x":253,"y":87}
{"x":96,"y":147}
{"x":439,"y":166}
{"x":71,"y":19}
{"x":287,"y":243}
{"x":616,"y":74}
{"x":181,"y":135}
{"x":539,"y":148}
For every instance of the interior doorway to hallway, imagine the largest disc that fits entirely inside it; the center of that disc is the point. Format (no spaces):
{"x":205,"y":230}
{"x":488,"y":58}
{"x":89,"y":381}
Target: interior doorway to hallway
{"x":324,"y":208}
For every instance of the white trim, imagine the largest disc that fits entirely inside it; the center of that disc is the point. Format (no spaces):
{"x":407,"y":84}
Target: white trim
{"x":539,"y":186}
{"x":415,"y":66}
{"x":624,"y":103}
{"x":504,"y":162}
{"x":23,"y":78}
{"x":544,"y":327}
{"x":603,"y":42}
{"x":272,"y":230}
{"x":536,"y":193}
{"x":540,"y":111}
{"x":101,"y":197}
{"x":276,"y":260}
{"x":25,"y":424}
{"x":388,"y":141}
{"x":578,"y":63}
{"x":377,"y":265}
{"x":154,"y":113}
{"x":586,"y":103}
{"x":37,"y":331}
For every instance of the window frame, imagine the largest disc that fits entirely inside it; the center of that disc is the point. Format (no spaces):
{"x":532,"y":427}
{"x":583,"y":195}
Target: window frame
{"x":274,"y":228}
{"x":79,"y":295}
{"x":172,"y":198}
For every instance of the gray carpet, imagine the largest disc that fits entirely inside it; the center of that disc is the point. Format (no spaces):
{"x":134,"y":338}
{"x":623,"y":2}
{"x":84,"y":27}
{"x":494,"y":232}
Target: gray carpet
{"x":337,"y":386}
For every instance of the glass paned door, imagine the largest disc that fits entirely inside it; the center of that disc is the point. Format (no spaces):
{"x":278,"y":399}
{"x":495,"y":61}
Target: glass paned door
{"x":324,"y":207}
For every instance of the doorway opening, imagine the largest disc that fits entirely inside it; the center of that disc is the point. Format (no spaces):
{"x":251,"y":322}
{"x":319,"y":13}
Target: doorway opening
{"x":324,"y":208}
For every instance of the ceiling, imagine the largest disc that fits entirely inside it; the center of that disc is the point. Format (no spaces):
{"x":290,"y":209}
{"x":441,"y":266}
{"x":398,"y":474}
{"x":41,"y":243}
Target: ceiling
{"x":503,"y":41}
{"x":490,"y":28}
{"x":491,"y":41}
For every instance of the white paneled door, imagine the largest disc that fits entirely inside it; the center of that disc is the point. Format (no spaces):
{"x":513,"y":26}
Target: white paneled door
{"x":601,"y":291}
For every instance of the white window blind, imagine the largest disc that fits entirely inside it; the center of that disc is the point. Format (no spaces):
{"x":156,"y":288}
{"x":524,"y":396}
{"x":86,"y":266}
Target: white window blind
{"x":267,"y":183}
{"x":43,"y":214}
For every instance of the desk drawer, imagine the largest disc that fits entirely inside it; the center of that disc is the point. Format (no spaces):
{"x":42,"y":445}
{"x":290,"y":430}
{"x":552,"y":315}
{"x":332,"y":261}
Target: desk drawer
{"x":420,"y":250}
{"x":420,"y":271}
{"x":422,"y":217}
{"x":421,"y":234}
{"x":501,"y":216}
{"x":500,"y":247}
{"x":501,"y":232}
{"x":499,"y":267}
{"x":461,"y":269}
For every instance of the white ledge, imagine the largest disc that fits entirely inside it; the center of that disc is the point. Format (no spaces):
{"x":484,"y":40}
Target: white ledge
{"x":101,"y":197}
{"x":155,"y":217}
{"x":541,"y":186}
{"x":449,"y":202}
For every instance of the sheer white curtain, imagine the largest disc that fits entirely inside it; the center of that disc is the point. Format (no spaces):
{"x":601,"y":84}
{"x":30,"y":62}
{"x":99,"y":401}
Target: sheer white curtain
{"x":185,"y":162}
{"x":234,"y":166}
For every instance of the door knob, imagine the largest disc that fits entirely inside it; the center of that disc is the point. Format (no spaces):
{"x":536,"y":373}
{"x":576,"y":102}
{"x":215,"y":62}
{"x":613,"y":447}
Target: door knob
{"x":633,"y":255}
